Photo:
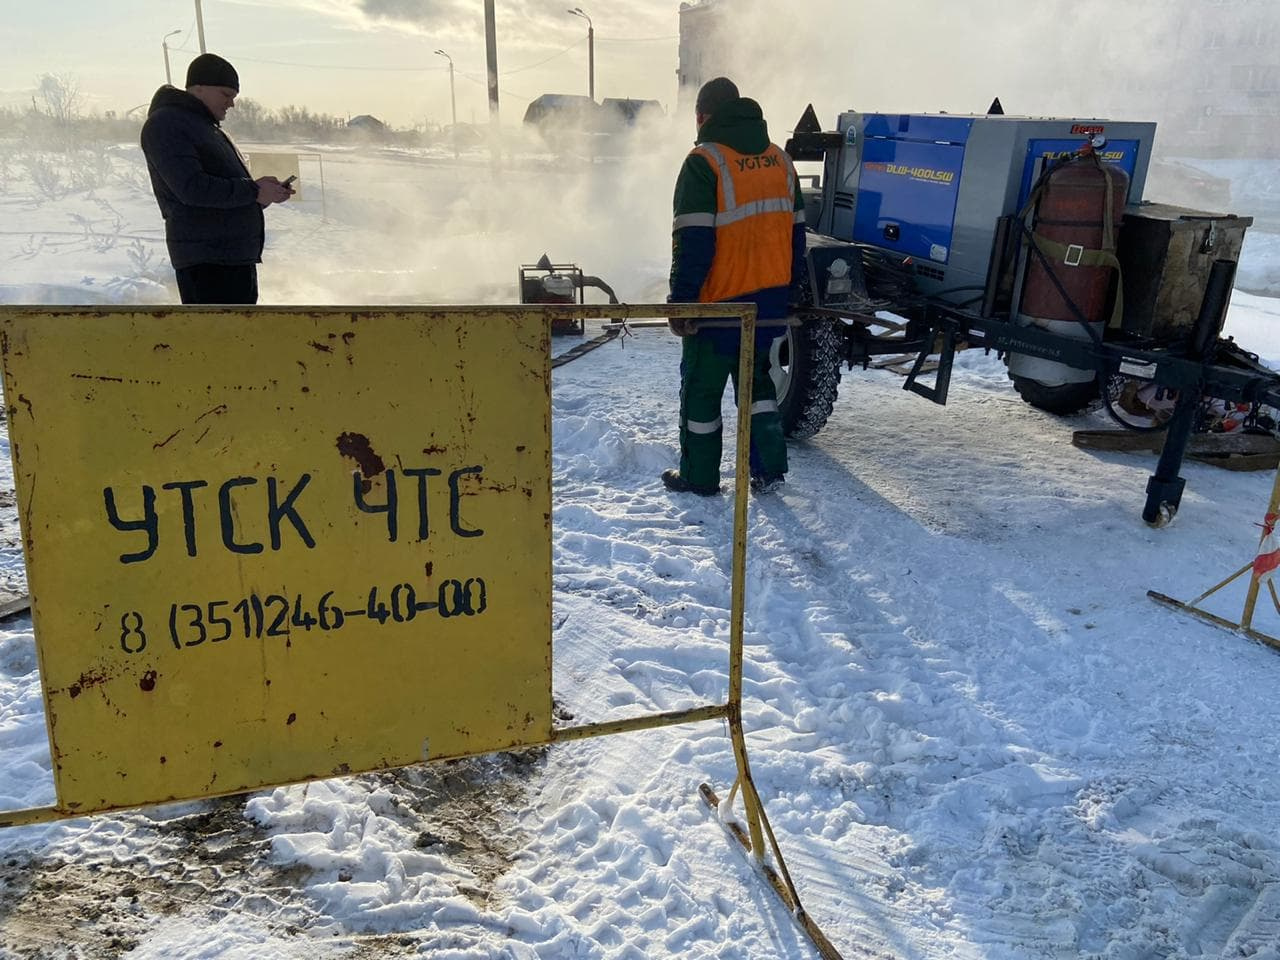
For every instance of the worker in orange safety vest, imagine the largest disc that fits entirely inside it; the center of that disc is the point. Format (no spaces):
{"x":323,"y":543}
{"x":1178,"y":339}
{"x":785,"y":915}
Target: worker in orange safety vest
{"x":738,"y":235}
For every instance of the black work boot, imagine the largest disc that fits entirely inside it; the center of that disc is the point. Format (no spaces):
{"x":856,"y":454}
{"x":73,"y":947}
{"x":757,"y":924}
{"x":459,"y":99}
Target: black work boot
{"x":672,"y":480}
{"x":767,"y":482}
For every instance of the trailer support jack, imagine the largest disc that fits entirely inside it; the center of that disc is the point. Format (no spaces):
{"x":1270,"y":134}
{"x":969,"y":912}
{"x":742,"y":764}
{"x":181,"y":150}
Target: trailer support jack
{"x":946,"y":357}
{"x":1164,"y":490}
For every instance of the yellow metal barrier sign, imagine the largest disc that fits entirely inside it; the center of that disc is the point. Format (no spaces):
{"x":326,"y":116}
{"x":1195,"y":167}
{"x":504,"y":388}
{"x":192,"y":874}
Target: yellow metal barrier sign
{"x":272,"y":545}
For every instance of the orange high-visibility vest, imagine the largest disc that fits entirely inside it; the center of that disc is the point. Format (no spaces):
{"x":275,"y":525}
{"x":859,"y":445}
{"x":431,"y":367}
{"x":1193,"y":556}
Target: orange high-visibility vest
{"x":755,"y":214}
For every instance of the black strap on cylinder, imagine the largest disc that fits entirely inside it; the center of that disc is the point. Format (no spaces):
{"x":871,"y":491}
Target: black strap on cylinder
{"x":1044,"y":248}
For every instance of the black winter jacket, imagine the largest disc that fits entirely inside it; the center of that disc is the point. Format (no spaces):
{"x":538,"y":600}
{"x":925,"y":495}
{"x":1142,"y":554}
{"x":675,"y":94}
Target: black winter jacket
{"x":206,"y":195}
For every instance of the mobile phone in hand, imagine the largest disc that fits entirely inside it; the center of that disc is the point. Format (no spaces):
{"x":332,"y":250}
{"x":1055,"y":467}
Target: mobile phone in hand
{"x":289,"y":182}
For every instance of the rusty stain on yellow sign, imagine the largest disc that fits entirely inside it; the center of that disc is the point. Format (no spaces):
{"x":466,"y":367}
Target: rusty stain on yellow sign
{"x":278,"y":544}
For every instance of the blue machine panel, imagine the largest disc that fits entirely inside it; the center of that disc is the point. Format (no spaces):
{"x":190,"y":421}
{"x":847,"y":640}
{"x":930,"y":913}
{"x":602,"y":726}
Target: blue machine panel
{"x":921,"y":127}
{"x":1121,"y":153}
{"x":907,"y":194}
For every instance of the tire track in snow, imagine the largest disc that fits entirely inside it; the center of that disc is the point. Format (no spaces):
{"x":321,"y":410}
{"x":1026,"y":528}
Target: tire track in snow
{"x":985,"y":727}
{"x":799,"y":604}
{"x":1024,"y":871}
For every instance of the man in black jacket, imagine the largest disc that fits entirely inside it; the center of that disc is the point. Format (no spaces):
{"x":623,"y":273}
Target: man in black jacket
{"x":212,"y":207}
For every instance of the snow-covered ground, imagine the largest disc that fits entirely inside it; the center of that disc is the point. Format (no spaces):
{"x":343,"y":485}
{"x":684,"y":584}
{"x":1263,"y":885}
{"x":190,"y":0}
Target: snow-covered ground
{"x":974,"y":734}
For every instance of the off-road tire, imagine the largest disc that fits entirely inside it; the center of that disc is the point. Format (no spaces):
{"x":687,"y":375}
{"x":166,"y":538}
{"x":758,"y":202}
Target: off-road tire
{"x":806,"y":373}
{"x":1062,"y":400}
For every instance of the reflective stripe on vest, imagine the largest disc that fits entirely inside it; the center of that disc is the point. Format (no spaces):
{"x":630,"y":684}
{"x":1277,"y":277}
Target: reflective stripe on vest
{"x":755,"y":215}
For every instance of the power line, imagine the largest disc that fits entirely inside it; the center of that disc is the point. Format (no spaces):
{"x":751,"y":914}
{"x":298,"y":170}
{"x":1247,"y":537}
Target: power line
{"x":637,"y":39}
{"x":337,"y":66}
{"x":485,"y":83}
{"x":505,"y":73}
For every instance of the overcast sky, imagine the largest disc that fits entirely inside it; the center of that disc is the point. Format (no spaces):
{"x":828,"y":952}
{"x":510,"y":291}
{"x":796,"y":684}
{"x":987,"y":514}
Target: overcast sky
{"x":347,"y":57}
{"x":343,"y":57}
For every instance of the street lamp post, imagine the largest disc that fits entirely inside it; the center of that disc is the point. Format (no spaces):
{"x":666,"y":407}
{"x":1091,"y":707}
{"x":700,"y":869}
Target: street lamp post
{"x":591,"y":51}
{"x":491,"y":64}
{"x":200,"y":26}
{"x":168,"y":76}
{"x":453,"y":101}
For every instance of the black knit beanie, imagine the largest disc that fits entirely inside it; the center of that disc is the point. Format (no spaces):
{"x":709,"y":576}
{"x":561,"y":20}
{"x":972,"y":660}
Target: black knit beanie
{"x":211,"y":70}
{"x":715,"y":94}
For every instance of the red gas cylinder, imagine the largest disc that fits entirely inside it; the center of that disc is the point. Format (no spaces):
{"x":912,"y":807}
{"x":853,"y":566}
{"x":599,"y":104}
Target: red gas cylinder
{"x":1070,"y":214}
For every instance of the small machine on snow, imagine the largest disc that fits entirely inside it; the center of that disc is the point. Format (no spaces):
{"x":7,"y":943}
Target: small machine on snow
{"x":547,"y":282}
{"x":1027,"y":236}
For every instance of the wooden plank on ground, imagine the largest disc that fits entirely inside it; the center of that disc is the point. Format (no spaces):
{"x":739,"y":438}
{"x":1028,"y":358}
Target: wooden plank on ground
{"x":12,"y":606}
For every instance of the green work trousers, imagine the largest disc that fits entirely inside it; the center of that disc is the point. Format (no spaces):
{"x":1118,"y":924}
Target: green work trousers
{"x":705,"y":366}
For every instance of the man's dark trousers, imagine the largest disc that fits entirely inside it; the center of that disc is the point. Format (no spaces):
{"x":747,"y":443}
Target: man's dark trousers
{"x":705,"y":366}
{"x":218,"y":283}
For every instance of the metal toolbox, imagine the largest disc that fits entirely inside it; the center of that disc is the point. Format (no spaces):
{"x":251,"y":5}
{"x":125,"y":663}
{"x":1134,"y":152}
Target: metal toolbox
{"x":1165,"y":255}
